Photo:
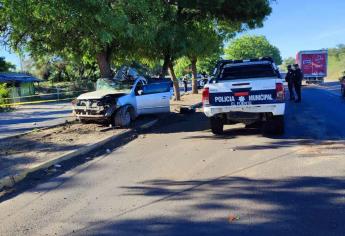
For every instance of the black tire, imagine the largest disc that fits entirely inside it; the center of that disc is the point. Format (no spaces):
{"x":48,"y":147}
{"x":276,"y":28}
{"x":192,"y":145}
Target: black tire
{"x":275,"y":126}
{"x":122,"y":117}
{"x":217,"y":125}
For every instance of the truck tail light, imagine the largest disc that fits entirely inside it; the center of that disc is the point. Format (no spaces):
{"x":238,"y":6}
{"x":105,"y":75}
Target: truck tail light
{"x":206,"y":97}
{"x":280,"y":91}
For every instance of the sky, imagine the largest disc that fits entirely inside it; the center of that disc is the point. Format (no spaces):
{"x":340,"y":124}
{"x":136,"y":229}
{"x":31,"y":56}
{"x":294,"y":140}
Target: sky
{"x":294,"y":25}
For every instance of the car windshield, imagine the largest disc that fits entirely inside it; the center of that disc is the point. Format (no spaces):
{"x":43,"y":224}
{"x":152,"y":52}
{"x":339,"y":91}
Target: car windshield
{"x":117,"y":85}
{"x":247,"y":71}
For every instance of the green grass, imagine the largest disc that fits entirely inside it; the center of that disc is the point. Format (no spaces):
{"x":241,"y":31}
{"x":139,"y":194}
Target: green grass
{"x":336,"y":67}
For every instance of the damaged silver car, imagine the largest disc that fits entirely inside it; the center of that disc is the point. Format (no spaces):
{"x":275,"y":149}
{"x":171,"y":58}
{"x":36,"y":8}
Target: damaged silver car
{"x":121,"y":100}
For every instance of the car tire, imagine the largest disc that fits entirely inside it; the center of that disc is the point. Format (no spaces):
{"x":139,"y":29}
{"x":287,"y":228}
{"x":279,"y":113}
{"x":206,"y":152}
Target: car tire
{"x":274,"y":126}
{"x":217,"y":125}
{"x":122,"y":117}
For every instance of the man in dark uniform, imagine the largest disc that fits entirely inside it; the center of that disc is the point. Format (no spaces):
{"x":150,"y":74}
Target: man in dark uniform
{"x":289,"y":80}
{"x":297,"y":79}
{"x":185,"y":83}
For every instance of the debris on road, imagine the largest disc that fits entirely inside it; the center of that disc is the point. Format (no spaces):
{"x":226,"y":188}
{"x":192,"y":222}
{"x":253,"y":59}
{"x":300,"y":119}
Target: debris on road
{"x":185,"y":106}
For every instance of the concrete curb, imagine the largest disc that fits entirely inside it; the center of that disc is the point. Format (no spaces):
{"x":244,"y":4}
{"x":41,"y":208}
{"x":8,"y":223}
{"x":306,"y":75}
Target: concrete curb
{"x":10,"y":181}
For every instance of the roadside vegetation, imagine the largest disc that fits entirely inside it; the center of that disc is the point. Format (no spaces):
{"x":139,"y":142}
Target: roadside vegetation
{"x":336,"y":63}
{"x":5,"y":66}
{"x":249,"y":46}
{"x":4,"y":93}
{"x":88,"y":39}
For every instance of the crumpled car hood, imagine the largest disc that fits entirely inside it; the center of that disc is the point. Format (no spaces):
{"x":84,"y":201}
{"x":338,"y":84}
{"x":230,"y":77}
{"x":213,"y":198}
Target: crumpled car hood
{"x":100,"y":94}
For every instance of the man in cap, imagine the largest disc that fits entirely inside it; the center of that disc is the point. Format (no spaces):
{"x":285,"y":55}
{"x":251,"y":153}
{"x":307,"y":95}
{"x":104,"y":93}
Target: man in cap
{"x":297,"y":79}
{"x":289,"y":80}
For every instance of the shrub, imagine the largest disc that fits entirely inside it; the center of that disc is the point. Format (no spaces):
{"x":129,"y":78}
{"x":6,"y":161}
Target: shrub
{"x":4,"y":93}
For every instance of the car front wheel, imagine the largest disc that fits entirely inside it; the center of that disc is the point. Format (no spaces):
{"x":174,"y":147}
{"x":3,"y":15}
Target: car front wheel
{"x":122,"y":117}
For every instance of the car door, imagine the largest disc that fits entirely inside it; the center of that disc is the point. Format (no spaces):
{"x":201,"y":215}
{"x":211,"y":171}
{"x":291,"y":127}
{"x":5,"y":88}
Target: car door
{"x":153,"y":98}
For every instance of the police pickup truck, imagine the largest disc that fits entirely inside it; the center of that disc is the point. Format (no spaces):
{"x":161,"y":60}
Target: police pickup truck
{"x":245,"y":91}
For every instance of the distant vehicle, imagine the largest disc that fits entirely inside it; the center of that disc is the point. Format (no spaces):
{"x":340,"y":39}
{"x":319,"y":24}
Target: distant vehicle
{"x":120,"y":100}
{"x":313,"y":65}
{"x":201,"y":81}
{"x":245,"y":91}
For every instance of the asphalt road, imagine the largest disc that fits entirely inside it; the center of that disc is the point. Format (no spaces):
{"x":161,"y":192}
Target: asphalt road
{"x":28,"y":117}
{"x":179,"y":179}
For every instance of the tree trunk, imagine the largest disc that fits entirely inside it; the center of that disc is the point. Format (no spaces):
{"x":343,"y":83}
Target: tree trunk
{"x":195,"y":76}
{"x":175,"y":81}
{"x":164,"y":69}
{"x":104,"y":64}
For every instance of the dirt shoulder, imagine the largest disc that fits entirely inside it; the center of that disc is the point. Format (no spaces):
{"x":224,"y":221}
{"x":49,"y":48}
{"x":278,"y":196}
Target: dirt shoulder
{"x":187,"y":100}
{"x":25,"y":151}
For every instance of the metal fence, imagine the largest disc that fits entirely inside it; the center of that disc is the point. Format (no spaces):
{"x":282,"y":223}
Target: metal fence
{"x":57,"y":96}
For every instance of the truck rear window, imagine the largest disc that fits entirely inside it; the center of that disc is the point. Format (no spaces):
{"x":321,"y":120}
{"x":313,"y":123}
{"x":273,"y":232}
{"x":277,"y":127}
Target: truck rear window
{"x":247,"y":71}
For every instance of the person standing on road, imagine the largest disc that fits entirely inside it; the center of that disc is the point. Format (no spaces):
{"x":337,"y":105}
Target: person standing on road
{"x":297,"y":79}
{"x":185,"y":82}
{"x":289,"y":80}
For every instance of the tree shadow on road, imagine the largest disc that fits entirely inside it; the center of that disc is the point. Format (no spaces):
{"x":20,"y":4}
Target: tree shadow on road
{"x":291,"y":206}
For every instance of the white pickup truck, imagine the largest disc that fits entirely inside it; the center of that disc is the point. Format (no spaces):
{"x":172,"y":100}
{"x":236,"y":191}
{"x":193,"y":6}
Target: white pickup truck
{"x":245,"y":91}
{"x":120,"y":100}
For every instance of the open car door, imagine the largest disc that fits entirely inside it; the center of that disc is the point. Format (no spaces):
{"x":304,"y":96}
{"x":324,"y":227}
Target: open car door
{"x":153,"y":98}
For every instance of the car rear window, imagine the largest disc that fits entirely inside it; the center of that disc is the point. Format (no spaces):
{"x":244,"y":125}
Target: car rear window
{"x":247,"y":71}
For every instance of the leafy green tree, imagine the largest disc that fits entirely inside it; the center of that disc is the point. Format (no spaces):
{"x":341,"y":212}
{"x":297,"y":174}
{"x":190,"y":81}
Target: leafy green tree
{"x":247,"y":13}
{"x":207,"y":64}
{"x":286,"y":62}
{"x":97,"y":29}
{"x":202,"y":41}
{"x":6,"y":66}
{"x":182,"y":67}
{"x":178,"y":15}
{"x":247,"y":47}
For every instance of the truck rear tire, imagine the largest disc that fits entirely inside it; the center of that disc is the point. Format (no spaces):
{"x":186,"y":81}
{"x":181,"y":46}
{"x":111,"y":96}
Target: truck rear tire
{"x":275,"y":126}
{"x":217,"y":125}
{"x":122,"y":117}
